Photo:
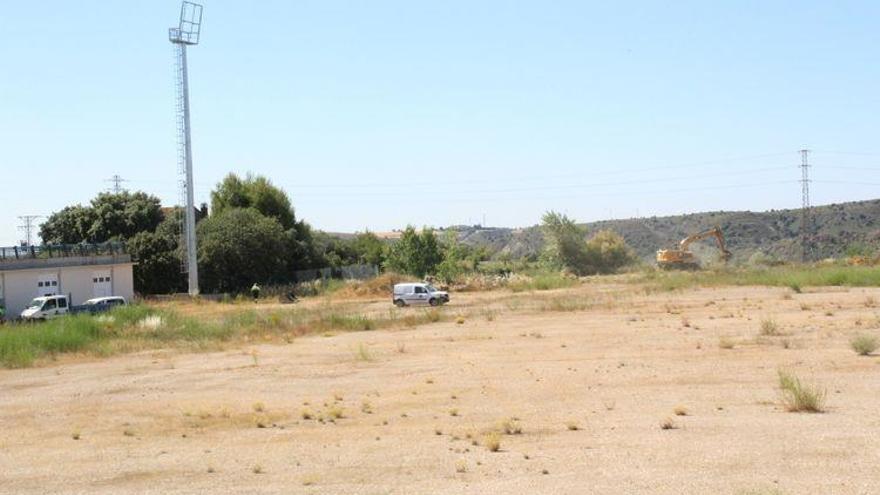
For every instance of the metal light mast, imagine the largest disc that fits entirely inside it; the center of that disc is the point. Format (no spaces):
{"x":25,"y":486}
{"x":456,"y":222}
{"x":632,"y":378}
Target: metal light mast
{"x":187,"y":33}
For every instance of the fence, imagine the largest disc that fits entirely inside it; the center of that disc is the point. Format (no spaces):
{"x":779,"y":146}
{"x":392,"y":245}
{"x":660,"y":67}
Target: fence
{"x":60,"y":251}
{"x":349,"y":272}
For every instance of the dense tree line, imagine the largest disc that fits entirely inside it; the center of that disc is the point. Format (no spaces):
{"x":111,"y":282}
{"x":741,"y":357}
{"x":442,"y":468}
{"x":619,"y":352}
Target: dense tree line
{"x":252,"y":235}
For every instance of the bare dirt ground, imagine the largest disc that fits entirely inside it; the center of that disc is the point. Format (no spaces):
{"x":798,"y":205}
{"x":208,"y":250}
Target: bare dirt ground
{"x":589,"y":387}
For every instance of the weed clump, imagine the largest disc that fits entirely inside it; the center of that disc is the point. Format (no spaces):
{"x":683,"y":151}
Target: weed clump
{"x":864,"y":344}
{"x":769,"y":328}
{"x":492,"y":441}
{"x":800,"y":397}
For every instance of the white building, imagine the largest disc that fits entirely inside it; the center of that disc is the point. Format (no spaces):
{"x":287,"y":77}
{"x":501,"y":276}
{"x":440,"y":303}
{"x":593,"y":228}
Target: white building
{"x":82,"y":272}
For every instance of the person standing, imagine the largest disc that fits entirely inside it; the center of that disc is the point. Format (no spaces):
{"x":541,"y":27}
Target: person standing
{"x":255,"y":291}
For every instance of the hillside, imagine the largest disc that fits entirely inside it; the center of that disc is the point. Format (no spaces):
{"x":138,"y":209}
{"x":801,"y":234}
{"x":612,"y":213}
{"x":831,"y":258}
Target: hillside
{"x":775,"y":233}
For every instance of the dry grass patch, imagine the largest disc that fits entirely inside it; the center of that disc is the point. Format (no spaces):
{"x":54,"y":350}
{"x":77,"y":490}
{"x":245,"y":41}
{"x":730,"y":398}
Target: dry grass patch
{"x":363,"y":354}
{"x":726,"y":343}
{"x":800,"y":397}
{"x":864,"y":344}
{"x":492,"y":441}
{"x":668,"y":424}
{"x":510,"y":426}
{"x":769,"y":328}
{"x":680,"y":411}
{"x":572,"y":426}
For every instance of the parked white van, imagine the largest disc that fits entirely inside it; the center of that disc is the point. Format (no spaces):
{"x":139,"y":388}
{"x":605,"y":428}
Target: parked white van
{"x":418,"y":293}
{"x":46,"y":308}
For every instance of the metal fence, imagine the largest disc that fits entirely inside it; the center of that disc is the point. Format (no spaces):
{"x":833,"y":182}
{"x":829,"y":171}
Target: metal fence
{"x":349,"y":272}
{"x":60,"y":251}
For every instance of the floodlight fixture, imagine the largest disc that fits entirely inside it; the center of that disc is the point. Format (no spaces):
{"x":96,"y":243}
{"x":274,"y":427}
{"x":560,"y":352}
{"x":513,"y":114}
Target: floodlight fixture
{"x":190,"y":27}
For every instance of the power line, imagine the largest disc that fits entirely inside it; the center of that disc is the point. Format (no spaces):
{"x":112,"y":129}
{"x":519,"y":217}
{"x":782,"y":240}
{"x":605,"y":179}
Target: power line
{"x":117,"y":181}
{"x":28,"y":225}
{"x":806,"y":220}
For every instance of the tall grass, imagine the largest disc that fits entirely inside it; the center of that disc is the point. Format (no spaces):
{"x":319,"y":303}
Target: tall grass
{"x":139,"y":327}
{"x":794,"y":277}
{"x":800,"y":397}
{"x":21,"y":345}
{"x":543,"y":281}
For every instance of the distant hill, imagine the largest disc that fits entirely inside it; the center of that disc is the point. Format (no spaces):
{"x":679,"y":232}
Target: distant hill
{"x":775,"y":233}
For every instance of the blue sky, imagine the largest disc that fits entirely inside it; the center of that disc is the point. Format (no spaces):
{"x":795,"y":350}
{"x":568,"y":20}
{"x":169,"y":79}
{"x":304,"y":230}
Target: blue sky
{"x":383,"y":113}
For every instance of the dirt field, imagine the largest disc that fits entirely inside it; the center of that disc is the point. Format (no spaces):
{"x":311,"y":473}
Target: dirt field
{"x":589,"y":374}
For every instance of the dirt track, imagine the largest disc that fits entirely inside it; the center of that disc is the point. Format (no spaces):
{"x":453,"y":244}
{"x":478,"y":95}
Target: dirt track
{"x":165,"y":422}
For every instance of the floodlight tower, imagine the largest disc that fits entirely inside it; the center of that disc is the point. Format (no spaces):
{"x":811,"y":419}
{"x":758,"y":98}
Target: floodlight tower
{"x":187,"y":33}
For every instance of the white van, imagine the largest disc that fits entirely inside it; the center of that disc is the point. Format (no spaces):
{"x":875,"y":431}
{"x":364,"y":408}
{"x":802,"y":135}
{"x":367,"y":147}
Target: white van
{"x":46,"y":308}
{"x":418,"y":293}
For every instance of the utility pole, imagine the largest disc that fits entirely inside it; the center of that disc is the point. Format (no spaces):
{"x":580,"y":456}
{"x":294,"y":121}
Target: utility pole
{"x":186,"y":34}
{"x":806,"y":213}
{"x":28,"y":225}
{"x":117,"y":181}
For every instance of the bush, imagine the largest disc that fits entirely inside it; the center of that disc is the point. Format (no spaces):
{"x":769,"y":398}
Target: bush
{"x":605,"y":252}
{"x":799,"y":397}
{"x":864,"y":344}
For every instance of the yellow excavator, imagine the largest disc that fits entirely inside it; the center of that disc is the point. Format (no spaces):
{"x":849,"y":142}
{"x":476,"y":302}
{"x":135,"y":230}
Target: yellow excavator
{"x":683,"y":259}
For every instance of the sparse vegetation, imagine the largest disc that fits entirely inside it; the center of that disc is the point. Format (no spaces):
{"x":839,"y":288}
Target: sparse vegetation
{"x":800,"y":397}
{"x":726,"y":343}
{"x":793,"y":276}
{"x":769,"y":328}
{"x":572,"y":426}
{"x":492,"y":441}
{"x":363,"y":353}
{"x":668,"y":424}
{"x":680,"y":411}
{"x":510,"y":426}
{"x":864,"y":344}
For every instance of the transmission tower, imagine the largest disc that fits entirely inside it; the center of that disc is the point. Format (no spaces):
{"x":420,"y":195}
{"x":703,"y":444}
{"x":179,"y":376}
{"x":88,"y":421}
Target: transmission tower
{"x":806,"y":213}
{"x":28,"y":225}
{"x":117,"y":181}
{"x":186,"y":33}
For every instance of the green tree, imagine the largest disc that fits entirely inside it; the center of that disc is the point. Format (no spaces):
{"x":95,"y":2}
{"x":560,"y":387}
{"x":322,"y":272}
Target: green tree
{"x":109,"y":217}
{"x":414,"y":253}
{"x":239,"y":246}
{"x":70,"y":225}
{"x":454,"y":258}
{"x":607,"y":252}
{"x":369,"y":248}
{"x":255,"y":192}
{"x":158,"y":255}
{"x":565,"y":246}
{"x":120,"y":216}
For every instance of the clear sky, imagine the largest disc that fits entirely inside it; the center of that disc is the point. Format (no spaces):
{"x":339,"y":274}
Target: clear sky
{"x":382,"y":113}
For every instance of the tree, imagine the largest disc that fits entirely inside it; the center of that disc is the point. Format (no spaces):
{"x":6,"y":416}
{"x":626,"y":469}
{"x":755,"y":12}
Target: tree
{"x":565,"y":245}
{"x":454,"y":255}
{"x":255,"y":192}
{"x":71,"y":225}
{"x":110,"y":216}
{"x":158,"y":255}
{"x":239,"y":246}
{"x":607,"y":252}
{"x":369,"y":248}
{"x":414,"y":254}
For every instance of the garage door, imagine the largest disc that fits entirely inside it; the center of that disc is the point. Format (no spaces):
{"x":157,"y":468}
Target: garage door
{"x":102,"y":284}
{"x":47,"y":284}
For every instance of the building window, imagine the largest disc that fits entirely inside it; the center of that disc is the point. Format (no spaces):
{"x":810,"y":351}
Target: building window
{"x":39,"y":284}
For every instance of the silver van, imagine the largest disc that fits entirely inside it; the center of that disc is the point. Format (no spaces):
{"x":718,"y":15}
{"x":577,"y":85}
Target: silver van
{"x":418,"y":293}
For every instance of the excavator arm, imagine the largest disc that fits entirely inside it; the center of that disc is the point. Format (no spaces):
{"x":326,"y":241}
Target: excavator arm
{"x":714,"y":232}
